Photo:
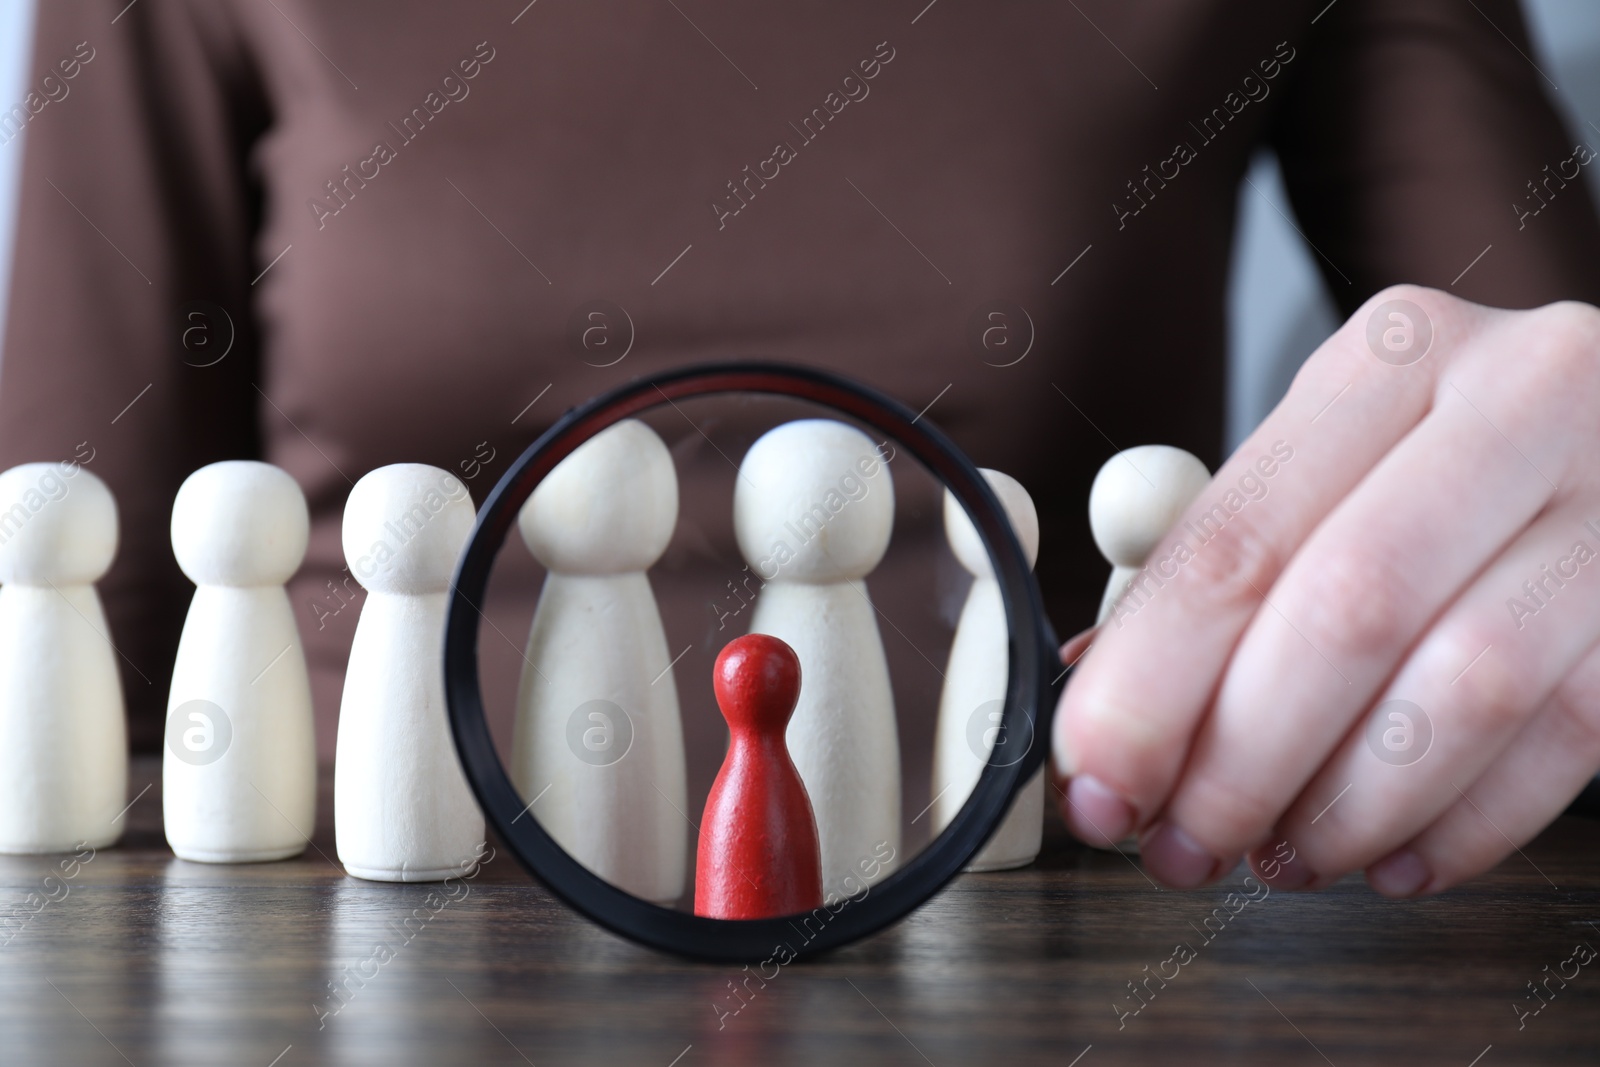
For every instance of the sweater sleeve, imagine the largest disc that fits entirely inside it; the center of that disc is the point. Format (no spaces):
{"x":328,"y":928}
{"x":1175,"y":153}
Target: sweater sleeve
{"x":129,"y":343}
{"x":1418,"y":145}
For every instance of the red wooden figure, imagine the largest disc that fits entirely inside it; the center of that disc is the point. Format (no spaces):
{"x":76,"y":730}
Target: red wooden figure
{"x":758,"y":856}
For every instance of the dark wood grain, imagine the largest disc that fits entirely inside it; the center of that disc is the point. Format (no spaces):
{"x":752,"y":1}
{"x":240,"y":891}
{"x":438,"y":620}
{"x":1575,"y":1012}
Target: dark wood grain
{"x":145,"y":959}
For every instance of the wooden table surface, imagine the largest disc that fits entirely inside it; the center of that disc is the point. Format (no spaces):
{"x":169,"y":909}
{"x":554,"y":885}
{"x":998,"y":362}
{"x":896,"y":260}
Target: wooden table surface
{"x":141,"y":958}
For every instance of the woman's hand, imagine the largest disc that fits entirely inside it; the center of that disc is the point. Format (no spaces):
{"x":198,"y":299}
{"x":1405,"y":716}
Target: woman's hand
{"x":1384,"y":651}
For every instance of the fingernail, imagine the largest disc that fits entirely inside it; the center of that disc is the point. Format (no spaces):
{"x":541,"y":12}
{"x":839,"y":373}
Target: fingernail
{"x":1096,"y":814}
{"x":1292,"y":875}
{"x":1074,"y":649}
{"x":1176,"y":858}
{"x":1400,"y":874}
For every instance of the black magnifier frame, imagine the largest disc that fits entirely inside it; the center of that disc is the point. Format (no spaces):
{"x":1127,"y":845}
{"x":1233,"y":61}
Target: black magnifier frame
{"x":1035,"y":682}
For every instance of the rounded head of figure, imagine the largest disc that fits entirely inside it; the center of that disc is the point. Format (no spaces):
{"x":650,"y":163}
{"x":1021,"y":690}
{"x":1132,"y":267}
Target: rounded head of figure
{"x":58,"y":525}
{"x":1137,"y":497}
{"x":404,"y":528}
{"x":757,"y":683}
{"x":964,"y":539}
{"x":608,"y":508}
{"x":239,"y":523}
{"x":814,"y":503}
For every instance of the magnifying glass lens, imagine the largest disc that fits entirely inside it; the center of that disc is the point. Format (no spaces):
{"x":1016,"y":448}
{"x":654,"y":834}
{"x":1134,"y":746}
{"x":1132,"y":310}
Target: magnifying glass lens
{"x":742,"y":656}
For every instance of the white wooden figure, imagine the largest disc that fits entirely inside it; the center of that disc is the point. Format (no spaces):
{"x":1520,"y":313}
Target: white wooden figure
{"x":974,"y":692}
{"x":63,"y":729}
{"x":1136,"y":498}
{"x":239,"y":769}
{"x":813,"y":511}
{"x":402,"y":810}
{"x":597,"y":749}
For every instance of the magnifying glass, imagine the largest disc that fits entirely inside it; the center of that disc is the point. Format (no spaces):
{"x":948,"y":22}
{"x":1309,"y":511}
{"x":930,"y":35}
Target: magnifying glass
{"x":591,"y":682}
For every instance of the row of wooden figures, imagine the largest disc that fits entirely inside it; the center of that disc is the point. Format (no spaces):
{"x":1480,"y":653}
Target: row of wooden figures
{"x":598,"y":741}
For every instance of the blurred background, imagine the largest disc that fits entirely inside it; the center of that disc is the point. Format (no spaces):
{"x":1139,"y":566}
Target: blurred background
{"x":1278,"y":308}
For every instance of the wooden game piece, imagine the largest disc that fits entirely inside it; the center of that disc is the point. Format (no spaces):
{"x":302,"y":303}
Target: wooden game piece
{"x":1137,"y":496}
{"x":758,"y":856}
{"x":63,"y":731}
{"x":813,"y":510}
{"x":402,"y":810}
{"x":597,"y":746}
{"x":239,"y":768}
{"x":975,"y":686}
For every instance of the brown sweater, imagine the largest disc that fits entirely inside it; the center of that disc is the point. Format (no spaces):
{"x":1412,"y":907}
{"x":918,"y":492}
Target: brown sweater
{"x":389,"y":216}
